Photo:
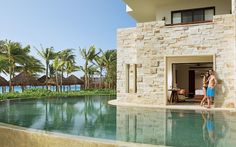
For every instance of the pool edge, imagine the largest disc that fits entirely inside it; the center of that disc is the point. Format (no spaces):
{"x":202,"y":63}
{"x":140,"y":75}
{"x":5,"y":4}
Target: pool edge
{"x":171,"y":107}
{"x":11,"y":136}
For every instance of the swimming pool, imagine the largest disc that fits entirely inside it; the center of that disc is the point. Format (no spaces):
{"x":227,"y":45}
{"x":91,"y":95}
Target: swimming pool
{"x":93,"y":117}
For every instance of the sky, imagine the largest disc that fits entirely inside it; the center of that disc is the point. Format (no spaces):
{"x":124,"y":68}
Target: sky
{"x":63,"y":23}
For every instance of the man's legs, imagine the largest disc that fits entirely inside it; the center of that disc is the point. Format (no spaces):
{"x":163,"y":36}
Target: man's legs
{"x":208,"y":102}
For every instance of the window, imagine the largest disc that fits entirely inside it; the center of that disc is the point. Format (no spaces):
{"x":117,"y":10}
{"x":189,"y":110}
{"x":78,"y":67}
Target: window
{"x":131,"y":78}
{"x":198,"y":15}
{"x":187,"y":16}
{"x":135,"y":78}
{"x":176,"y":17}
{"x":193,"y":15}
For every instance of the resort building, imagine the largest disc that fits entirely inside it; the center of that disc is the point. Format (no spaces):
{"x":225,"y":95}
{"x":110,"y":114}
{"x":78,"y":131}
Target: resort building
{"x":174,"y":43}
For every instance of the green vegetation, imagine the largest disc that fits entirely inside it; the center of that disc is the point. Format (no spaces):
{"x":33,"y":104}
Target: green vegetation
{"x":14,"y":59}
{"x":43,"y":93}
{"x":47,"y":55}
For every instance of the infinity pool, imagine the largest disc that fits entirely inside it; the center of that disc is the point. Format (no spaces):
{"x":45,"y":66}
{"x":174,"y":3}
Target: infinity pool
{"x":93,"y":117}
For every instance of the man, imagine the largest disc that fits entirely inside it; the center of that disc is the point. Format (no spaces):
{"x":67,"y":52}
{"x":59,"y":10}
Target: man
{"x":211,"y":88}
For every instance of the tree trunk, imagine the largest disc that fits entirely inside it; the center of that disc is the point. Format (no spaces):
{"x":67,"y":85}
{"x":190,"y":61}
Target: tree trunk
{"x":10,"y":82}
{"x":47,"y":64}
{"x":86,"y":75}
{"x":61,"y":79}
{"x":3,"y":89}
{"x":22,"y":88}
{"x":10,"y":69}
{"x":100,"y":84}
{"x":57,"y":85}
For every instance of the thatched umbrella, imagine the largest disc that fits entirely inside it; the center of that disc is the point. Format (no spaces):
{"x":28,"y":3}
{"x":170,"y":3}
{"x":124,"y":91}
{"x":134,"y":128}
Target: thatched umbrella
{"x":3,"y":84}
{"x":24,"y":79}
{"x":73,"y":80}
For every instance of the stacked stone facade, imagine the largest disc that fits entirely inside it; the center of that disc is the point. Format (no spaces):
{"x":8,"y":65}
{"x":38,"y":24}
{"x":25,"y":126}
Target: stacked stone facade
{"x":147,"y":45}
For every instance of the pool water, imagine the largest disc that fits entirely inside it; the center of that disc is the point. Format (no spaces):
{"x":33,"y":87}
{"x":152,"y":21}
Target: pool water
{"x":94,"y":117}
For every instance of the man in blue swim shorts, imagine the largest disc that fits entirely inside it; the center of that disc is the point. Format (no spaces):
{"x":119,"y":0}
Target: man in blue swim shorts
{"x":211,"y":88}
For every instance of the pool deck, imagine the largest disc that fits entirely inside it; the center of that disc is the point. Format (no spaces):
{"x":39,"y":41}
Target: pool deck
{"x":173,"y":107}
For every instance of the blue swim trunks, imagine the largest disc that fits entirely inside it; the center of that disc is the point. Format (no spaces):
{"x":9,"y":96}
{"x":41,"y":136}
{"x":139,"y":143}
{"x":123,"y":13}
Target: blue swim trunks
{"x":210,"y":92}
{"x":210,"y":125}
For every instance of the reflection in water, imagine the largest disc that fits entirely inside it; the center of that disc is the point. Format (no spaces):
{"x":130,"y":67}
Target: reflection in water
{"x":84,"y":116}
{"x":208,"y":128}
{"x":176,"y":128}
{"x":93,"y":117}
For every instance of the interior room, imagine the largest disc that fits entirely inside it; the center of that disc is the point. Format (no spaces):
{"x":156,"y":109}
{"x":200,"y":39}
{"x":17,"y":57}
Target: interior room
{"x":188,"y":78}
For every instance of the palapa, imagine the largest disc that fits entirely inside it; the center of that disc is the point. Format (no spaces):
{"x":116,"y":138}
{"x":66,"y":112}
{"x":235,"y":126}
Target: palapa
{"x":73,"y":80}
{"x":24,"y":79}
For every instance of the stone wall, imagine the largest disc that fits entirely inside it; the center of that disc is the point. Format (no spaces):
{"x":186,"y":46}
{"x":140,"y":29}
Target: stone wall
{"x":148,"y":44}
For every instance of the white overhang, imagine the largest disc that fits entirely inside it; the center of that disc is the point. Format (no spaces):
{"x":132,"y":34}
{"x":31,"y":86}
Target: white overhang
{"x":146,"y":10}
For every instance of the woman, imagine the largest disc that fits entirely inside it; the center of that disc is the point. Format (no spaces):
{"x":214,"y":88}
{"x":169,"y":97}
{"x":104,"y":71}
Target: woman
{"x":205,"y":84}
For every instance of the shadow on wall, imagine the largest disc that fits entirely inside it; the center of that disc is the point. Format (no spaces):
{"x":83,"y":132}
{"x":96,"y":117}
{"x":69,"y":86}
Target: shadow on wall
{"x":222,"y":92}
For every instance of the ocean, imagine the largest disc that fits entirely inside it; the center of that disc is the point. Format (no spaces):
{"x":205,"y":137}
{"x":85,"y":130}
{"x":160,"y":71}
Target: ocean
{"x":53,"y":88}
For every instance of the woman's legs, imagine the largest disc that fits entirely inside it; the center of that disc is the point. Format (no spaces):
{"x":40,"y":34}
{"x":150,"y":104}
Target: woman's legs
{"x":204,"y":98}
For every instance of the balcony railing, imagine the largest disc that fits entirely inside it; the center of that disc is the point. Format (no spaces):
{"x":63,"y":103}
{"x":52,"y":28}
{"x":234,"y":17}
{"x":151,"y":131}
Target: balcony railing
{"x":186,"y":23}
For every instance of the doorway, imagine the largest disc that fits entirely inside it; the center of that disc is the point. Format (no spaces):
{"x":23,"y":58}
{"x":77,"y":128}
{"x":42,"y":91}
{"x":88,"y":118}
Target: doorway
{"x":190,"y":80}
{"x":185,"y":74}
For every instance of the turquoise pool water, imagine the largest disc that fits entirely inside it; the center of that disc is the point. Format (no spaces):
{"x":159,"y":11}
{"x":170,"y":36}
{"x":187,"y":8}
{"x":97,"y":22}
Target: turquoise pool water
{"x":93,"y":117}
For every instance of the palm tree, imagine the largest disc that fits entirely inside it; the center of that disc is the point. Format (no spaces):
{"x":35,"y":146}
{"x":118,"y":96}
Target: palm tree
{"x":109,"y":59}
{"x":57,"y":65}
{"x":47,"y":54}
{"x":52,"y":71}
{"x":32,"y":66}
{"x":13,"y":54}
{"x":100,"y":65}
{"x":91,"y":72}
{"x":88,"y":56}
{"x":3,"y":60}
{"x":67,"y":59}
{"x":70,"y":68}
